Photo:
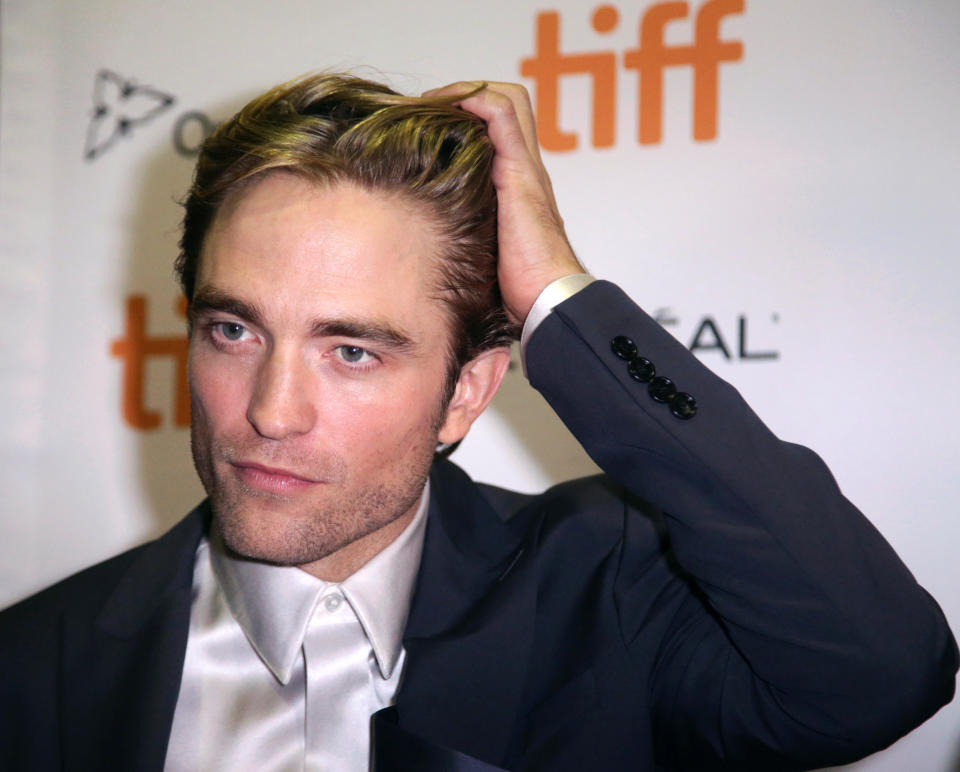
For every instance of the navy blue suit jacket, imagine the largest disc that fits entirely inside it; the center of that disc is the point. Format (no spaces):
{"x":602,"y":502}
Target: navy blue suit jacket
{"x":711,"y":602}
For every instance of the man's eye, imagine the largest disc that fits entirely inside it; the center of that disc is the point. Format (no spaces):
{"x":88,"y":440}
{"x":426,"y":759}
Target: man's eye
{"x":231,"y":330}
{"x":354,"y":355}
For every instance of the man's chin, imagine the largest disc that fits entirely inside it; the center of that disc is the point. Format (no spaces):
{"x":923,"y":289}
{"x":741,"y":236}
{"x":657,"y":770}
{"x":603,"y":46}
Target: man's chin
{"x":269,"y":538}
{"x":303,"y":530}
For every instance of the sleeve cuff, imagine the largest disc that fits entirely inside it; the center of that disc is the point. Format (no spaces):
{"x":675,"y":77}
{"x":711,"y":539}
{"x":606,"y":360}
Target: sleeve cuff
{"x":551,"y":296}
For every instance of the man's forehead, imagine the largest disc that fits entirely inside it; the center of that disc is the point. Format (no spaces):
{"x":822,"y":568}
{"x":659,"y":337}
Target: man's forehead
{"x":263,"y":194}
{"x":339,"y":227}
{"x":324,"y":252}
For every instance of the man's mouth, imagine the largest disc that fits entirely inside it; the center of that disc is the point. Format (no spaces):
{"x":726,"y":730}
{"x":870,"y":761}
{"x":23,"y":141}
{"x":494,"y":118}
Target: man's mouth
{"x":268,"y":479}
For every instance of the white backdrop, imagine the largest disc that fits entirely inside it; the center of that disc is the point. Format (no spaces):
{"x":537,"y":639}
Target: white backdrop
{"x":822,"y":221}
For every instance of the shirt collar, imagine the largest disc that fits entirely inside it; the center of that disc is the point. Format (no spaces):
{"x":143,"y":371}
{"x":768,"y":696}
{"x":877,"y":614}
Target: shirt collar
{"x":274,"y":604}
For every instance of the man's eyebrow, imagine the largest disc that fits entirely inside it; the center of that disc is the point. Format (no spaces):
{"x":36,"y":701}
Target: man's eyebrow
{"x":210,"y":299}
{"x":378,"y":332}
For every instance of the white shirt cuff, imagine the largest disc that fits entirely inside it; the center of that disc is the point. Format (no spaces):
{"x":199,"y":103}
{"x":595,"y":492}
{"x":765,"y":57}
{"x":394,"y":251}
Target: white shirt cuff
{"x":551,"y":296}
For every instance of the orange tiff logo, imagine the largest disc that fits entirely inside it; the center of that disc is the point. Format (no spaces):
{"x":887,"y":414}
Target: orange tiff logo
{"x":135,"y":348}
{"x":649,"y":59}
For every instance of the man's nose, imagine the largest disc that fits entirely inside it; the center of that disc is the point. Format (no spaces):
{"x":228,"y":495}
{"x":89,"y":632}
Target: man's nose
{"x":280,"y":405}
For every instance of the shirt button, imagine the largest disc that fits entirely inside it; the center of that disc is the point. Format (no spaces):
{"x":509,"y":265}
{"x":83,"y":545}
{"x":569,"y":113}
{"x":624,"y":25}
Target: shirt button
{"x":333,"y":601}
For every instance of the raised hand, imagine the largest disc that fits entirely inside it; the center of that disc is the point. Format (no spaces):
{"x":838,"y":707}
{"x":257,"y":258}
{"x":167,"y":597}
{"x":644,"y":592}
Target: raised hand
{"x":534,"y":250}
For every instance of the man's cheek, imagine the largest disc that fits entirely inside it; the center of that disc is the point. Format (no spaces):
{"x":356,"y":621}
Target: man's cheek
{"x":391,"y":422}
{"x":219,"y":391}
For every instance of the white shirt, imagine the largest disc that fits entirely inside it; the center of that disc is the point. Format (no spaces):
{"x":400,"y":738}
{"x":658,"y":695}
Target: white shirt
{"x":283,"y":670}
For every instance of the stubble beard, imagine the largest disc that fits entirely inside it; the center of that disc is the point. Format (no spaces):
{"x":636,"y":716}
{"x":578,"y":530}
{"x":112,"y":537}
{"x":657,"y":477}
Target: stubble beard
{"x":277,"y":529}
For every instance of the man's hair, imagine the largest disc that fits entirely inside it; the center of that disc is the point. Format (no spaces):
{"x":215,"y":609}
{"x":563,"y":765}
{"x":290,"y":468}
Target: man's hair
{"x":334,"y":128}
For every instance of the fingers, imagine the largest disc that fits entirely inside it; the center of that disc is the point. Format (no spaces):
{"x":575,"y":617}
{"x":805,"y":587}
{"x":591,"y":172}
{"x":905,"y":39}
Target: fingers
{"x":508,"y":113}
{"x":533,"y":248}
{"x":505,"y":107}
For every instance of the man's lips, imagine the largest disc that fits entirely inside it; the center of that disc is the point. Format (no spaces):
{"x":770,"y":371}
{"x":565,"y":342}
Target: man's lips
{"x":271,"y":479}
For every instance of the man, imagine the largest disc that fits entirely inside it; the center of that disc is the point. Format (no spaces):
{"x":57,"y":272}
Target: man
{"x":345,"y":254}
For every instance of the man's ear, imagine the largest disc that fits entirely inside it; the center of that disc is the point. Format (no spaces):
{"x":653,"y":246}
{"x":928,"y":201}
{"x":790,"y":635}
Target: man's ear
{"x":478,"y":382}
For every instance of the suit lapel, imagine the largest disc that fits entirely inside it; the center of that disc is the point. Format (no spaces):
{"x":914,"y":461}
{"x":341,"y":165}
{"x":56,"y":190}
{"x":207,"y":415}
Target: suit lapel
{"x":470,"y":631}
{"x":121,"y":674}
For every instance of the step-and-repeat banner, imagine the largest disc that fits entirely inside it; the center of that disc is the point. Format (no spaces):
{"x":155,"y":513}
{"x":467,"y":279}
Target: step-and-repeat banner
{"x":775,"y":181}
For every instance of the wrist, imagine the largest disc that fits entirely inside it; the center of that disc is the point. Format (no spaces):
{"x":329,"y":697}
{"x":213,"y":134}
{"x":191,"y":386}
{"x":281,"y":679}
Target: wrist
{"x":519,"y":302}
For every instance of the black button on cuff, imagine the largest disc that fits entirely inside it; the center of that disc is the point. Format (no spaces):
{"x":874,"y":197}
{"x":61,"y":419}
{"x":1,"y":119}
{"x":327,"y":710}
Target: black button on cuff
{"x":662,"y":389}
{"x":641,"y":369}
{"x":683,"y":405}
{"x":623,"y":347}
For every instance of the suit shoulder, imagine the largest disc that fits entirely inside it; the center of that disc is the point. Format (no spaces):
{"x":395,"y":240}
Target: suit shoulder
{"x":84,"y":593}
{"x":594,"y":510}
{"x":574,"y":494}
{"x":88,"y":587}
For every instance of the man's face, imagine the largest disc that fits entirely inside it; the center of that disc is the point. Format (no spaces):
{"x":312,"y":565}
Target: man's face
{"x":317,"y":362}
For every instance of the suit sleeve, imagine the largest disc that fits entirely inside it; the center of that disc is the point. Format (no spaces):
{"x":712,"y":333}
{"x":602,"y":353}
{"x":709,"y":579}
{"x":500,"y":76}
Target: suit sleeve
{"x":805,"y":641}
